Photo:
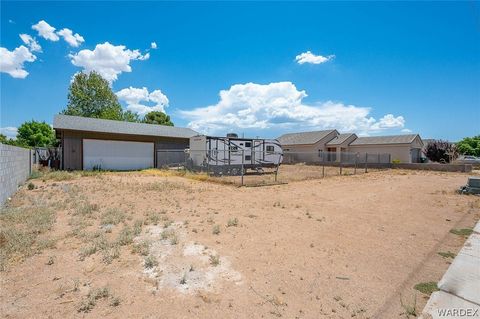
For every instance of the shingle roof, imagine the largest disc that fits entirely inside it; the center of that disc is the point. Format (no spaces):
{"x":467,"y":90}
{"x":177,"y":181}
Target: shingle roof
{"x":392,"y":139}
{"x":78,"y":123}
{"x":340,"y":138}
{"x":303,"y":137}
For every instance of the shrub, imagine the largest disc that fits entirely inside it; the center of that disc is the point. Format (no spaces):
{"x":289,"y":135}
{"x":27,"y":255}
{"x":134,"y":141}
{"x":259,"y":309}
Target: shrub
{"x":440,"y":151}
{"x":150,"y":262}
{"x":31,"y":186}
{"x":113,"y":216}
{"x":216,"y":230}
{"x":214,"y":260}
{"x":232,"y":222}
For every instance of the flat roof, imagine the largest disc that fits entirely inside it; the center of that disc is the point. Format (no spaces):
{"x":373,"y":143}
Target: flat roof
{"x":79,"y":123}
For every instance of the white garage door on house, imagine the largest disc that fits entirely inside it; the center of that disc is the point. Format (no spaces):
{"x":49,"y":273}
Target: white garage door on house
{"x":116,"y":155}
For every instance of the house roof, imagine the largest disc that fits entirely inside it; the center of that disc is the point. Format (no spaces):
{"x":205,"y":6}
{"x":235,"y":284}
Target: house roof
{"x":78,"y":123}
{"x":392,"y":139}
{"x":303,"y":137}
{"x":340,"y":138}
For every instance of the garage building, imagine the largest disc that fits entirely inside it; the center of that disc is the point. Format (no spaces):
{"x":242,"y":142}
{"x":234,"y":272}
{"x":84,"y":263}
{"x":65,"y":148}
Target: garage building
{"x":90,"y":143}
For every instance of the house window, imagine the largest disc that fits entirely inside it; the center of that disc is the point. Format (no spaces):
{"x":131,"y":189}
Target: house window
{"x":248,"y":158}
{"x":320,"y":153}
{"x":270,"y":149}
{"x":248,"y":144}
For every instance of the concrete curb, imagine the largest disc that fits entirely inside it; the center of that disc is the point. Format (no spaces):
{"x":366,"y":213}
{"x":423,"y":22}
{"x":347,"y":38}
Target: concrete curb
{"x":459,"y":295}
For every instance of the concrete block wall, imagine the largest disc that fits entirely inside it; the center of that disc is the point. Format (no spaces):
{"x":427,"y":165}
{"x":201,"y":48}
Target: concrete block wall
{"x":15,"y":169}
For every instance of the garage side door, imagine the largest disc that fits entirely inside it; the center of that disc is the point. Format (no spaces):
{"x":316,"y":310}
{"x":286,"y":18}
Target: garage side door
{"x":117,"y":155}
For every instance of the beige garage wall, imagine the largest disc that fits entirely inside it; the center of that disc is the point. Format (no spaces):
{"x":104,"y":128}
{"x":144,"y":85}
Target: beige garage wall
{"x":397,"y":152}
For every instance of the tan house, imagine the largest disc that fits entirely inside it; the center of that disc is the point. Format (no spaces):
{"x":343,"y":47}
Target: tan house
{"x":332,"y":146}
{"x":403,"y":148}
{"x":306,"y":146}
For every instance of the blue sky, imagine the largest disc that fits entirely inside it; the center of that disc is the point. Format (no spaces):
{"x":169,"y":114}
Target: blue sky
{"x":374,"y":68}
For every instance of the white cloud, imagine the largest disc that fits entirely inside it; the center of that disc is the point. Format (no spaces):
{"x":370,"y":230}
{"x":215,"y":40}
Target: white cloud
{"x":107,"y":59}
{"x":31,"y":42}
{"x":406,"y":130}
{"x":134,"y":96}
{"x":309,"y":57}
{"x":153,"y":45}
{"x":9,"y":131}
{"x":389,"y":121}
{"x":11,"y":62}
{"x":45,"y":30}
{"x":73,"y":40}
{"x":279,"y":106}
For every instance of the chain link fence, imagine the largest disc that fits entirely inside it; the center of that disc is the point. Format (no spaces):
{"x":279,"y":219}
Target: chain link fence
{"x":256,"y":168}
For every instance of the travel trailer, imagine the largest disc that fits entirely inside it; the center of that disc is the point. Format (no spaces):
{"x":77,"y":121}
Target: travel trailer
{"x":232,"y":155}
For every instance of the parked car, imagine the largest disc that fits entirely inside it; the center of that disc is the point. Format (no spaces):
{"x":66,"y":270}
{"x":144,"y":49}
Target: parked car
{"x":468,"y":159}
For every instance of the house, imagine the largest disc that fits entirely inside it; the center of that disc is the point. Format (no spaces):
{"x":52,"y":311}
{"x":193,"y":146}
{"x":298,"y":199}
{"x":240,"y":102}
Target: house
{"x":90,"y":143}
{"x":331,"y":146}
{"x":403,"y":148}
{"x":306,"y":146}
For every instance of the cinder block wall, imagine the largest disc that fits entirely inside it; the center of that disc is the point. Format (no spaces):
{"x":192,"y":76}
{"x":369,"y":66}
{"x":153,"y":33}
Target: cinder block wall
{"x":15,"y":168}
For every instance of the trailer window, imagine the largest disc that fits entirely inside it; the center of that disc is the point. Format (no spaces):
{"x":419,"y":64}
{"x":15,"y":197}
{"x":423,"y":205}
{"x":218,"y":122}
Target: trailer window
{"x":248,"y":158}
{"x":270,"y":149}
{"x":248,"y":144}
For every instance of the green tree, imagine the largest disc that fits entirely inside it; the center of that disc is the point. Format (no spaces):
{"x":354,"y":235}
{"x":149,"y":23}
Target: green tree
{"x":35,"y":133}
{"x":3,"y":139}
{"x":129,"y":116}
{"x":157,"y":117}
{"x":90,"y":95}
{"x":469,"y":146}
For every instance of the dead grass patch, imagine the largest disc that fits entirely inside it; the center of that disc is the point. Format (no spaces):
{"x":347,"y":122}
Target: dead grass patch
{"x":113,"y":216}
{"x":19,"y":232}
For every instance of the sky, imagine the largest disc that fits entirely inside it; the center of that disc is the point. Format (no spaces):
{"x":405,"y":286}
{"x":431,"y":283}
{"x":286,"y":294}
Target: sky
{"x":254,"y":68}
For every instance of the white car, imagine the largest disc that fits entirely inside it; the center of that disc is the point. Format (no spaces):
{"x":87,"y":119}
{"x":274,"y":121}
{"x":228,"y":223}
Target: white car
{"x":468,"y":159}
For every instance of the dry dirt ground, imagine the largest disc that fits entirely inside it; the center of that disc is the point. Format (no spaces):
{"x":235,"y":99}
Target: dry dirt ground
{"x":149,"y":245}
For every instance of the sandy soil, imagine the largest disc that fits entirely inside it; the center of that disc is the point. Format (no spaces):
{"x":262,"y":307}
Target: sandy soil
{"x":341,"y":247}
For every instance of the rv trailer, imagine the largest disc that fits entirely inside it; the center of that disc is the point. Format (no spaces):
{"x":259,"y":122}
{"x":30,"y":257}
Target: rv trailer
{"x":232,"y":155}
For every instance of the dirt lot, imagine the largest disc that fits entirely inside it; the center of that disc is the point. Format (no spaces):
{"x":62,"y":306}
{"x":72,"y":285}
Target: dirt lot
{"x":146,"y":245}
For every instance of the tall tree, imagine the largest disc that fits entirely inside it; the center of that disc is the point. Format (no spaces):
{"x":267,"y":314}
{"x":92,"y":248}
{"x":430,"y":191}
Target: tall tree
{"x":157,"y":117}
{"x":35,"y":133}
{"x":469,"y":146}
{"x":90,"y":95}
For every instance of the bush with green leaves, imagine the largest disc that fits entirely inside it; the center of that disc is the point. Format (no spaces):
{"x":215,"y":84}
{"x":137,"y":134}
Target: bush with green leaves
{"x":469,"y":146}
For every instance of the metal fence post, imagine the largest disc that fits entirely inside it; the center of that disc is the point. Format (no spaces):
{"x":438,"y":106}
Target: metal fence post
{"x":355,"y":167}
{"x":243,"y":157}
{"x":276,"y":170}
{"x":366,"y":161}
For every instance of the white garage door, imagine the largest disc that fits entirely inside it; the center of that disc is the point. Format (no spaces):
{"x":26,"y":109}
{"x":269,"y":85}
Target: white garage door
{"x":116,"y":155}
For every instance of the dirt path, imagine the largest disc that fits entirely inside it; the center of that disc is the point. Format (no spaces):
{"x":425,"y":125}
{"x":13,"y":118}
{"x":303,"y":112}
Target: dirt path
{"x":342,"y":247}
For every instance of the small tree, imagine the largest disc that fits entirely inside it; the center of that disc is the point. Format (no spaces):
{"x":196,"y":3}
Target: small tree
{"x":469,"y":146}
{"x":35,"y":133}
{"x":440,"y":151}
{"x":157,"y":117}
{"x":3,"y":139}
